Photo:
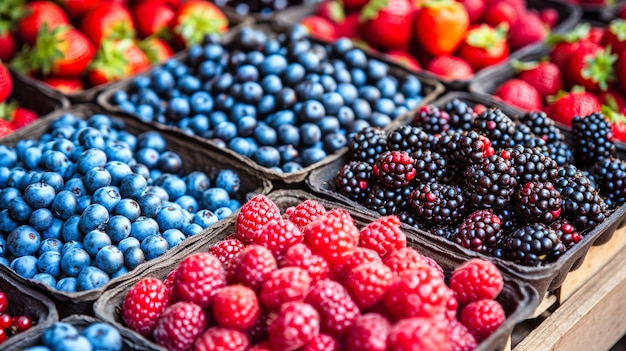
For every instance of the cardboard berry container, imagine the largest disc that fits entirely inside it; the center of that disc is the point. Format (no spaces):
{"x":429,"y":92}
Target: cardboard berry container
{"x":544,"y":278}
{"x":518,"y":299}
{"x":431,"y":89}
{"x":80,"y":322}
{"x":195,"y":157}
{"x":569,"y":16}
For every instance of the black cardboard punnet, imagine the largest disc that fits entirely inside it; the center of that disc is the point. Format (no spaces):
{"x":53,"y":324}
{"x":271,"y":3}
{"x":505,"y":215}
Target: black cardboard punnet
{"x":544,"y":278}
{"x":518,"y":299}
{"x":195,"y":157}
{"x":431,"y":89}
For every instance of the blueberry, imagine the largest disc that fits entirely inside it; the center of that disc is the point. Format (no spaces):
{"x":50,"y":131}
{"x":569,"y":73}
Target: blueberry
{"x":294,"y":73}
{"x":223,"y":212}
{"x":411,"y":87}
{"x":385,"y":106}
{"x":286,"y":98}
{"x":109,"y":259}
{"x":144,"y":227}
{"x":362,"y":109}
{"x":312,"y":111}
{"x":247,"y":73}
{"x":225,"y":130}
{"x":162,"y":80}
{"x":23,"y":240}
{"x":288,"y":152}
{"x":329,"y":124}
{"x":199,"y":123}
{"x":118,"y":228}
{"x":388,"y":87}
{"x":151,"y":139}
{"x":147,"y":156}
{"x":205,"y":218}
{"x":41,"y":219}
{"x":70,"y":231}
{"x":266,"y":156}
{"x":93,"y":217}
{"x":280,"y":118}
{"x":145,"y":112}
{"x":177,"y":108}
{"x":150,"y":204}
{"x":334,"y":142}
{"x":107,"y":196}
{"x":265,"y":135}
{"x":274,"y":64}
{"x":359,"y":77}
{"x":197,"y":182}
{"x":169,"y":218}
{"x":50,"y":262}
{"x":310,"y":134}
{"x":67,"y":284}
{"x":90,"y":278}
{"x":128,"y":208}
{"x":120,"y":272}
{"x":378,"y":119}
{"x":117,"y":170}
{"x":214,"y":198}
{"x":241,"y":146}
{"x":192,"y":229}
{"x":309,"y":89}
{"x":118,"y":151}
{"x":127,"y":243}
{"x":25,"y":266}
{"x":188,"y":84}
{"x":290,"y":167}
{"x":94,"y":241}
{"x":7,"y":195}
{"x":132,"y":186}
{"x":32,"y":157}
{"x":46,"y":279}
{"x":39,"y":195}
{"x":103,"y":336}
{"x":7,"y":224}
{"x":139,"y":169}
{"x":173,"y":237}
{"x":90,"y":138}
{"x":188,"y":203}
{"x":58,"y":331}
{"x":332,"y":101}
{"x":356,"y":58}
{"x":170,"y":162}
{"x":342,"y":45}
{"x":154,"y":246}
{"x":76,"y":187}
{"x":133,"y":257}
{"x":312,"y":155}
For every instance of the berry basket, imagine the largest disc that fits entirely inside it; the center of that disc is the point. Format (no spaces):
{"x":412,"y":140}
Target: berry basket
{"x":312,"y":152}
{"x":518,"y":299}
{"x":193,"y":157}
{"x":569,"y":15}
{"x":544,"y":278}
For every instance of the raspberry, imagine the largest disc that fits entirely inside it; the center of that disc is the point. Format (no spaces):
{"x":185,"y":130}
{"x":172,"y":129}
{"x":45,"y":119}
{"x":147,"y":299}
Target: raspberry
{"x":295,"y":324}
{"x":253,"y":215}
{"x":278,"y":236}
{"x":408,"y":258}
{"x":475,"y":280}
{"x":419,"y":292}
{"x":301,"y":256}
{"x":236,"y":306}
{"x":394,"y":169}
{"x":199,"y":276}
{"x":179,"y":326}
{"x":258,"y":332}
{"x":264,"y":346}
{"x":227,"y":249}
{"x":383,"y":235}
{"x":368,"y":333}
{"x":368,"y":283}
{"x":360,"y":256}
{"x":222,"y":339}
{"x":333,"y":236}
{"x":461,"y":338}
{"x":336,"y":307}
{"x":420,"y":334}
{"x":285,"y":285}
{"x":256,"y":264}
{"x":322,"y":342}
{"x":482,"y":318}
{"x":306,"y":212}
{"x":143,"y":304}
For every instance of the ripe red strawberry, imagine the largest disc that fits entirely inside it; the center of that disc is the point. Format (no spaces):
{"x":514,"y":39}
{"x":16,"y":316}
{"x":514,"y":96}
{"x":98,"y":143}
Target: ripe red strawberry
{"x":354,"y":4}
{"x":450,"y":67}
{"x":475,"y":280}
{"x":153,"y":18}
{"x":320,"y":27}
{"x":305,"y":213}
{"x":222,"y":339}
{"x":116,"y":60}
{"x":544,"y":76}
{"x":440,"y":26}
{"x":157,"y":50}
{"x":108,"y":20}
{"x":575,"y":103}
{"x":519,"y":94}
{"x":301,"y":256}
{"x":236,"y":306}
{"x":359,"y":256}
{"x":143,"y":304}
{"x":6,"y":83}
{"x":5,"y":128}
{"x":387,"y":24}
{"x":255,"y":265}
{"x":613,"y":98}
{"x":199,"y":276}
{"x":179,"y":326}
{"x":620,"y":70}
{"x":420,"y":334}
{"x":23,"y":117}
{"x":195,"y":19}
{"x":615,"y":35}
{"x":563,"y":45}
{"x":475,"y":9}
{"x":484,"y":46}
{"x":331,"y":10}
{"x":78,"y":8}
{"x":368,"y":333}
{"x":349,"y":28}
{"x":253,"y":215}
{"x":278,"y":236}
{"x":322,"y":342}
{"x":64,"y":85}
{"x":527,"y":30}
{"x":501,"y":12}
{"x":482,"y":318}
{"x":368,"y":283}
{"x":404,"y":58}
{"x":8,"y":46}
{"x":285,"y":285}
{"x":226,"y":249}
{"x":383,"y":235}
{"x":40,"y":12}
{"x":549,"y":16}
{"x":295,"y":324}
{"x":337,"y":309}
{"x":591,"y":66}
{"x":333,"y":236}
{"x":461,"y":338}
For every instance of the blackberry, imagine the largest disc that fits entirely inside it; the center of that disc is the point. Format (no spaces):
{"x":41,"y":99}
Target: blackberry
{"x":531,"y":164}
{"x":446,"y":232}
{"x":409,"y":218}
{"x":532,"y":245}
{"x":367,"y":144}
{"x":430,"y":166}
{"x":490,"y":183}
{"x":410,"y":139}
{"x":566,"y":231}
{"x":354,"y":180}
{"x":561,"y":153}
{"x":592,"y":138}
{"x":508,"y":219}
{"x":461,"y":114}
{"x":432,"y":119}
{"x":542,"y":126}
{"x":582,"y":204}
{"x":496,"y":126}
{"x":436,"y":204}
{"x":394,"y":169}
{"x":610,"y":174}
{"x":525,"y":137}
{"x":480,"y":231}
{"x":464,"y":148}
{"x":538,"y":202}
{"x":387,"y":201}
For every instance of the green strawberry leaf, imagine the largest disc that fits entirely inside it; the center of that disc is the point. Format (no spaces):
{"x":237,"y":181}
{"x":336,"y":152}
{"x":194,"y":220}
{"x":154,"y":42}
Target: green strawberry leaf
{"x":520,"y":66}
{"x":600,"y":69}
{"x":618,"y":28}
{"x":371,"y":9}
{"x":578,"y":33}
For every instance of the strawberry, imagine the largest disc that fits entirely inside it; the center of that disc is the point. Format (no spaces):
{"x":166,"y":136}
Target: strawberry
{"x":519,"y":94}
{"x":199,"y":276}
{"x":331,"y":10}
{"x":404,"y":58}
{"x":450,"y":67}
{"x":563,"y":45}
{"x":440,"y":26}
{"x":23,"y":117}
{"x":153,"y":18}
{"x":8,"y":45}
{"x":195,"y":19}
{"x":333,"y":236}
{"x":320,"y":27}
{"x":143,"y":305}
{"x":420,"y":334}
{"x":618,"y":122}
{"x":337,"y":309}
{"x":613,"y":98}
{"x":6,"y":128}
{"x":354,"y":4}
{"x":278,"y":236}
{"x":383,"y":235}
{"x":578,"y":102}
{"x":253,"y":215}
{"x":549,"y":16}
{"x":6,"y":83}
{"x":368,"y":333}
{"x":482,"y":318}
{"x":305,"y":213}
{"x":387,"y":23}
{"x":157,"y":50}
{"x":40,"y":12}
{"x":301,"y":256}
{"x":544,"y":76}
{"x":591,"y":66}
{"x":528,"y":29}
{"x":236,"y":306}
{"x":322,"y":342}
{"x":620,"y":70}
{"x":255,"y":265}
{"x":179,"y":326}
{"x":500,"y":12}
{"x":115,"y":60}
{"x":615,"y":35}
{"x":349,"y":28}
{"x":78,"y":8}
{"x":295,"y":324}
{"x":485,"y":46}
{"x":107,"y":20}
{"x":285,"y":285}
{"x":64,"y":85}
{"x":222,"y":339}
{"x":475,"y":10}
{"x":595,"y":35}
{"x":368,"y":283}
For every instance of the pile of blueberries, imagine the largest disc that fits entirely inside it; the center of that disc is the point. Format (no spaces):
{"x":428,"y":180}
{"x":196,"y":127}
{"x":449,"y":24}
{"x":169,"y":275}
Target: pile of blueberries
{"x":89,"y":202}
{"x":62,"y":336}
{"x":283,"y":100}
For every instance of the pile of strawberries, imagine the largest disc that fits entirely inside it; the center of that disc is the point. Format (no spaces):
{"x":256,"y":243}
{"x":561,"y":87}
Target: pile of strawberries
{"x":12,"y":116}
{"x":585,"y":72}
{"x":450,"y":38}
{"x":80,"y":44}
{"x":311,"y":280}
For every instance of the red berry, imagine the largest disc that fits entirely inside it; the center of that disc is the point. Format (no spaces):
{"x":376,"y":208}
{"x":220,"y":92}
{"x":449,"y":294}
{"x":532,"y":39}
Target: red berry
{"x":278,"y":235}
{"x":6,"y":321}
{"x":222,"y":339}
{"x":420,"y":334}
{"x":368,"y":333}
{"x":236,"y":306}
{"x":295,"y":324}
{"x":199,"y":276}
{"x":285,"y":285}
{"x":258,"y":332}
{"x":336,"y":307}
{"x":383,"y":235}
{"x":482,"y":318}
{"x":169,"y":279}
{"x":333,"y":236}
{"x":301,"y":256}
{"x":4,"y":302}
{"x":256,"y":264}
{"x":475,"y":280}
{"x":461,"y":338}
{"x":264,"y":346}
{"x":3,"y":336}
{"x":306,"y":212}
{"x":22,"y":323}
{"x":143,"y":304}
{"x":359,"y":256}
{"x":179,"y":326}
{"x":253,"y":215}
{"x":227,"y":249}
{"x":322,"y":342}
{"x":368,"y":283}
{"x":407,"y":258}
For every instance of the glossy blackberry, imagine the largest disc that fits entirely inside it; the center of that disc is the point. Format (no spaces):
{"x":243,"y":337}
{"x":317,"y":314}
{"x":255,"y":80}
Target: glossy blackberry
{"x":387,"y":201}
{"x":464,"y":148}
{"x":566,"y":231}
{"x":508,"y":219}
{"x":394,"y":169}
{"x":496,"y":126}
{"x":532,"y":245}
{"x":525,"y":137}
{"x":461,"y":114}
{"x":446,"y":232}
{"x":531,"y":164}
{"x":437,"y":205}
{"x":561,"y":153}
{"x":610,"y":174}
{"x":354,"y":180}
{"x":367,"y":144}
{"x":592,"y":138}
{"x":490,"y":183}
{"x":542,"y":126}
{"x":538,"y":202}
{"x":410,"y":139}
{"x":582,"y":204}
{"x":480,"y":231}
{"x":430,"y":166}
{"x":409,"y":218}
{"x":432,"y":119}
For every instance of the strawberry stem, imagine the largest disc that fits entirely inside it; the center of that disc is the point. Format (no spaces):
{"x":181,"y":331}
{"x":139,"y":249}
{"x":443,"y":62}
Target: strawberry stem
{"x":196,"y":26}
{"x":520,"y":66}
{"x":599,"y":68}
{"x":486,"y":37}
{"x":618,"y":28}
{"x":371,"y":9}
{"x":580,"y":32}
